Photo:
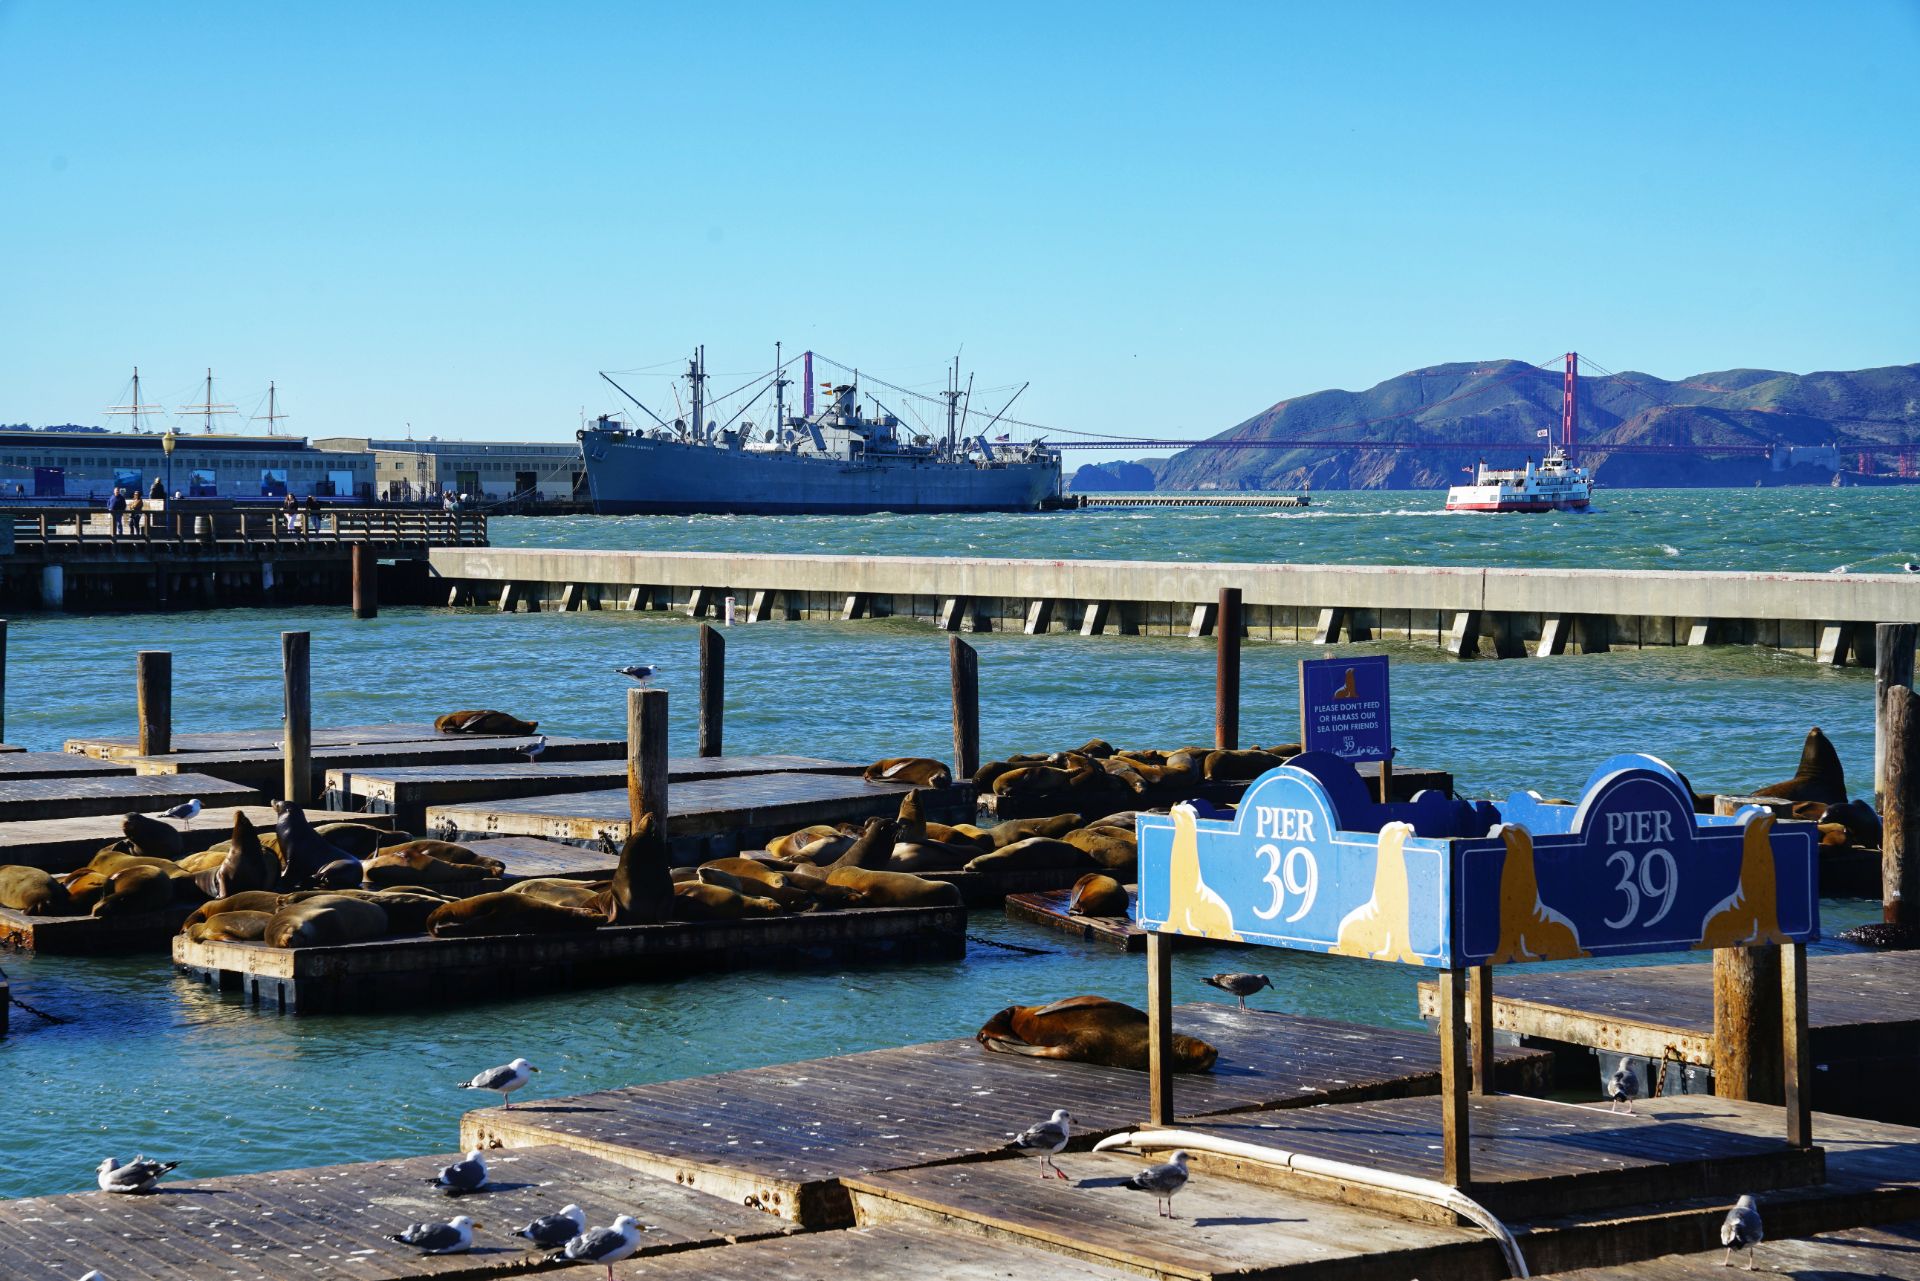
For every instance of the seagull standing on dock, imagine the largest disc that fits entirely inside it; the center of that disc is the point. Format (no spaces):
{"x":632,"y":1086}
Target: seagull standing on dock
{"x":603,"y":1245}
{"x":186,"y":812}
{"x":1623,"y":1086}
{"x":504,"y":1079}
{"x":452,"y":1237}
{"x":138,"y":1175}
{"x":1239,"y":985}
{"x":1742,"y":1228}
{"x":642,"y":672}
{"x":555,"y":1229}
{"x":534,"y":749}
{"x":1163,"y":1181}
{"x":462,"y":1177}
{"x":1048,"y":1138}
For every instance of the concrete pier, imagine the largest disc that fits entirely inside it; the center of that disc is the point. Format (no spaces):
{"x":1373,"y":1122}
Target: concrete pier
{"x":1467,"y":610}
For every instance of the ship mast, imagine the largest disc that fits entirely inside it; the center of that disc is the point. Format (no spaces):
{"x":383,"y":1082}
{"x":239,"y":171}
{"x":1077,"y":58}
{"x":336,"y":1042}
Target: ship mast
{"x":207,"y":409}
{"x":272,"y":415}
{"x":136,"y":410}
{"x":780,"y":384}
{"x":697,"y":376}
{"x":952,"y":396}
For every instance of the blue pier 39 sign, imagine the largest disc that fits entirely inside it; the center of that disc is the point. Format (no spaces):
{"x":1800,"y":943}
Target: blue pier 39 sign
{"x":1344,"y":708}
{"x":1309,"y":861}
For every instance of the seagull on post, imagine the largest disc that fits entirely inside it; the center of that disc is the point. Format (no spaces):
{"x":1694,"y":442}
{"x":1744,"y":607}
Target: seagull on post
{"x":642,"y":672}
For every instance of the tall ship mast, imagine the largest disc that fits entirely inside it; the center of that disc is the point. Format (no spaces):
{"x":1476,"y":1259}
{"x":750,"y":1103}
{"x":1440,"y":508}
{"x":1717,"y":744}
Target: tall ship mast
{"x":838,"y":458}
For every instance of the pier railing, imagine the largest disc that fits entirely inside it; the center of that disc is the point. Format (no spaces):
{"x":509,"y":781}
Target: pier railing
{"x":51,"y":528}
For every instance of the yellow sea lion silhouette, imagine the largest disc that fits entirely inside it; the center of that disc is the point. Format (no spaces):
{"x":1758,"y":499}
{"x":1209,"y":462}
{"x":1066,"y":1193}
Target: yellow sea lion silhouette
{"x":1379,"y":927}
{"x":1529,"y":929}
{"x":1751,"y":914}
{"x":1193,"y":907}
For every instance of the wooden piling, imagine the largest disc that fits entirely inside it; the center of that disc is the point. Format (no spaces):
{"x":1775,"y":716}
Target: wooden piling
{"x":366,"y":582}
{"x":1893,"y":646}
{"x":964,"y":663}
{"x":1456,"y":1164}
{"x":1226,"y":672}
{"x":1480,"y":1026}
{"x":1159,"y":1029}
{"x":1797,"y":1049}
{"x":3,"y":683}
{"x":1747,"y":1036}
{"x":1899,"y":722}
{"x":296,"y":750}
{"x":153,"y":679}
{"x":713,"y":688}
{"x":647,"y":755}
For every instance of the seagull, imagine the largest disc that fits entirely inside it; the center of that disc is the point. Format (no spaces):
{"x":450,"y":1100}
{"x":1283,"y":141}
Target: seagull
{"x":462,"y":1177}
{"x":1742,"y":1228}
{"x":1622,"y":1086}
{"x":504,"y":1079}
{"x":555,"y":1229}
{"x":186,"y":813}
{"x":1240,"y":985}
{"x":1163,"y":1181}
{"x":534,"y":748}
{"x":1048,"y":1138}
{"x":452,"y":1237}
{"x":642,"y":672}
{"x":139,"y":1175}
{"x":1910,"y":567}
{"x":603,"y":1245}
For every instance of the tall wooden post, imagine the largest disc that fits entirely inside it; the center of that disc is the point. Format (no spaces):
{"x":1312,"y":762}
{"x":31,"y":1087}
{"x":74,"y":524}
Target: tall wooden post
{"x":1226,"y":672}
{"x":1900,"y":807}
{"x":1747,"y":1038}
{"x":1455,"y":1124}
{"x":366,"y":582}
{"x":1893,"y":645}
{"x":1480,"y":1026}
{"x":1159,"y":1028}
{"x":713,"y":688}
{"x":964,"y":664}
{"x":3,"y":680}
{"x":1796,"y":1050}
{"x":296,"y":730}
{"x":153,"y":680}
{"x":647,"y":755}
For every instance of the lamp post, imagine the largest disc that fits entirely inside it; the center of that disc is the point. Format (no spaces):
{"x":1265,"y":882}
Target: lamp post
{"x":166,"y":447}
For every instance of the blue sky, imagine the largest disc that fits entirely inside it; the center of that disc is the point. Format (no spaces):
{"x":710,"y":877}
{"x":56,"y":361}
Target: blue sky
{"x":1165,"y":217}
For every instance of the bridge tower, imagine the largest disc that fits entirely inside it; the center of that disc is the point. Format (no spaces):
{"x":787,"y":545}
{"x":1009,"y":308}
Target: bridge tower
{"x":1570,"y":406}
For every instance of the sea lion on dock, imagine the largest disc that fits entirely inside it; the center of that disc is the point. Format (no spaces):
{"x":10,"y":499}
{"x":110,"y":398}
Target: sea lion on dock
{"x":152,"y":837}
{"x":1240,"y":767}
{"x":341,"y":874}
{"x":84,"y":887}
{"x":789,"y":846}
{"x":445,"y":851}
{"x":1819,"y":778}
{"x":1033,"y":853}
{"x":114,"y":859}
{"x":246,"y":865}
{"x":931,"y":856}
{"x":1097,"y":894}
{"x":912,"y":828}
{"x":704,"y":901}
{"x":1004,"y":834}
{"x":483,"y":722}
{"x":267,"y":901}
{"x":505,"y":913}
{"x":921,"y":771}
{"x":642,"y":888}
{"x":874,"y":847}
{"x":894,"y":889}
{"x":561,"y":892}
{"x":1114,"y":848}
{"x":1088,"y":1029}
{"x":759,"y":882}
{"x":359,"y":840}
{"x":324,"y":920}
{"x":303,"y":851}
{"x":134,"y":890}
{"x":406,"y":865}
{"x":34,"y":891}
{"x":1033,"y":782}
{"x":231,"y":927}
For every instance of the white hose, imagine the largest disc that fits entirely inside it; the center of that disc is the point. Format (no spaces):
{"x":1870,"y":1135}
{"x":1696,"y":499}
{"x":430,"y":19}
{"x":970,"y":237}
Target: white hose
{"x":1424,"y":1189}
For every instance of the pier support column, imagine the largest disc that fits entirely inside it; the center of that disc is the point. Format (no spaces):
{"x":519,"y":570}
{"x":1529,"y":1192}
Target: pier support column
{"x":1159,"y":1029}
{"x":590,"y":597}
{"x":1463,"y":637}
{"x":1480,"y":1026}
{"x":1039,"y":617}
{"x":1553,"y":637}
{"x":951,"y":611}
{"x":1203,"y":620}
{"x":1094,"y":621}
{"x":1455,"y":1080}
{"x":713,"y":688}
{"x":793,"y":606}
{"x":963,"y":663}
{"x":568,"y":595}
{"x":1327,"y":630}
{"x":53,"y":587}
{"x":757,"y":607}
{"x":153,"y":681}
{"x":636,"y":597}
{"x":1747,"y":1035}
{"x":647,"y":756}
{"x":456,"y":596}
{"x":506,"y":598}
{"x":857,"y":605}
{"x":1700,"y":633}
{"x":1893,"y":652}
{"x":1832,"y":650}
{"x":366,"y":582}
{"x":699,"y":602}
{"x":1226,"y":673}
{"x":1797,"y":1050}
{"x":1899,"y":720}
{"x":1595,"y":632}
{"x":296,"y":729}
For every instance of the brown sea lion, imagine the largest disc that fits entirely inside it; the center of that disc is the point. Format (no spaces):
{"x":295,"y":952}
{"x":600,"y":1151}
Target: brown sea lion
{"x":1096,"y":747}
{"x":701,"y":901}
{"x":1110,"y":847}
{"x":822,"y":891}
{"x":1097,"y":894}
{"x":1032,"y":853}
{"x":1019,"y":829}
{"x":398,"y":865}
{"x":445,"y":851}
{"x":749,"y":878}
{"x":486,"y":722}
{"x":959,"y":834}
{"x":111,"y":860}
{"x":341,"y":874}
{"x":34,"y":891}
{"x":789,"y":846}
{"x":504,"y":913}
{"x":205,"y":861}
{"x":245,"y":866}
{"x":1819,"y":778}
{"x":1240,"y":767}
{"x":359,"y":840}
{"x":408,"y":908}
{"x":584,"y":895}
{"x":325,"y":920}
{"x":153,"y":837}
{"x":894,"y":889}
{"x":266,"y":901}
{"x":912,"y":828}
{"x":1033,"y":781}
{"x":84,"y":887}
{"x":1088,"y":1029}
{"x":236,"y":927}
{"x":1864,"y":828}
{"x":921,"y":771}
{"x":133,"y":890}
{"x":303,"y":851}
{"x":642,"y":889}
{"x":989,"y":773}
{"x":874,"y":847}
{"x":931,"y":856}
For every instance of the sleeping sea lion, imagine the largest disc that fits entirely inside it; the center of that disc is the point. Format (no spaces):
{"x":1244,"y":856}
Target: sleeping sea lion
{"x":1019,"y":829}
{"x":504,"y":913}
{"x":359,"y":840}
{"x":921,"y":771}
{"x":959,"y":834}
{"x":34,"y":891}
{"x":789,"y":846}
{"x":1110,"y":847}
{"x":702,"y":901}
{"x":561,"y":892}
{"x":1097,"y":894}
{"x":237,"y":927}
{"x":1864,"y":828}
{"x":1088,"y":1029}
{"x":84,"y":887}
{"x":397,"y":865}
{"x":642,"y":888}
{"x":894,"y":889}
{"x":245,"y":865}
{"x":205,"y":861}
{"x":757,"y":881}
{"x":266,"y":901}
{"x":1033,"y":781}
{"x":931,"y":856}
{"x":445,"y":851}
{"x":303,"y":851}
{"x":153,"y":837}
{"x":1819,"y":778}
{"x":407,"y":908}
{"x":133,"y":890}
{"x":341,"y":874}
{"x":1095,"y":747}
{"x":487,"y":722}
{"x":1240,"y":767}
{"x":324,"y":920}
{"x":1034,"y":852}
{"x":111,"y":860}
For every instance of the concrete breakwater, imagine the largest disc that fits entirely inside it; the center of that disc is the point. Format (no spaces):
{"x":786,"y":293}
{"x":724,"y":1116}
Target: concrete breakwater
{"x":1500,"y":612}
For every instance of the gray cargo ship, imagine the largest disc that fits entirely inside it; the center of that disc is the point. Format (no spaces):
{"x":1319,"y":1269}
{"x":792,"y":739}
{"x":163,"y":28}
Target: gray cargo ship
{"x":837,"y":460}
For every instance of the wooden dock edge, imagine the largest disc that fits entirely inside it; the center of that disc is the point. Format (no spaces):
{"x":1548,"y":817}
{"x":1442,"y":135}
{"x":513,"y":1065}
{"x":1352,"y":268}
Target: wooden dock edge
{"x":1612,"y":1034}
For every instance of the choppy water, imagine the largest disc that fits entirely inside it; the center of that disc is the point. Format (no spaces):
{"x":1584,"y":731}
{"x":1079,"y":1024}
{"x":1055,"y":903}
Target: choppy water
{"x":152,"y":1062}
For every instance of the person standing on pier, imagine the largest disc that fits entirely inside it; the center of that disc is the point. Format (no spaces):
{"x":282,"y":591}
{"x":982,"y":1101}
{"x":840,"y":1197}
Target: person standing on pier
{"x":117,"y":505}
{"x":136,"y":520}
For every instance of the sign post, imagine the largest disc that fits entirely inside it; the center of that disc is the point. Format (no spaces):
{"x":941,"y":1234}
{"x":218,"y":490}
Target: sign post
{"x":1344,"y":709}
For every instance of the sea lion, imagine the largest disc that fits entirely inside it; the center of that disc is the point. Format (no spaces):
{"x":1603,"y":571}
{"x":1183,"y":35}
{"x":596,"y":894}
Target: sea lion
{"x":1819,"y":778}
{"x":561,"y":892}
{"x":246,"y":901}
{"x":34,"y":891}
{"x":1033,"y":781}
{"x":303,"y":851}
{"x":397,"y":865}
{"x":486,"y":722}
{"x":1088,"y":1029}
{"x":236,"y":927}
{"x":1097,"y":894}
{"x":445,"y":851}
{"x":112,"y":859}
{"x":325,"y":920}
{"x":874,"y":847}
{"x":824,"y":851}
{"x":1096,"y":747}
{"x":642,"y":888}
{"x":359,"y":840}
{"x":913,"y":824}
{"x":341,"y":874}
{"x":407,"y":908}
{"x":894,"y":889}
{"x":84,"y":887}
{"x":1001,"y":835}
{"x":1032,"y":853}
{"x":205,"y":861}
{"x":245,"y":865}
{"x":921,"y":771}
{"x":931,"y":856}
{"x":763,"y":882}
{"x":789,"y":846}
{"x":959,"y":834}
{"x":153,"y":837}
{"x":1864,"y":828}
{"x":1240,"y":767}
{"x":133,"y":890}
{"x":504,"y":913}
{"x":1110,"y":847}
{"x":702,"y":901}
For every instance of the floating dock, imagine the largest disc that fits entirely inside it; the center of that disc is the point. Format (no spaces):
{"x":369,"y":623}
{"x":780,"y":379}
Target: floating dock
{"x":781,"y":1138}
{"x":407,"y":793}
{"x":1890,"y":1252}
{"x":65,"y":844}
{"x":17,"y":765}
{"x":1402,"y":786}
{"x":116,"y":794}
{"x":416,"y":969}
{"x":261,"y":740}
{"x":1049,"y":908}
{"x":265,"y":768}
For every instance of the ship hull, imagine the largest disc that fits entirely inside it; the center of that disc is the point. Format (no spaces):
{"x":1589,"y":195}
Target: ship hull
{"x":640,"y":476}
{"x":1521,"y":505}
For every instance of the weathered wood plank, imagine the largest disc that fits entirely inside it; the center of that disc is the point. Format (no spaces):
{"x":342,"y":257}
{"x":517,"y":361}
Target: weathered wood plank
{"x":18,"y":764}
{"x":893,"y":1252}
{"x":260,"y":768}
{"x":1890,"y":1252}
{"x":1049,"y":908}
{"x":38,"y":798}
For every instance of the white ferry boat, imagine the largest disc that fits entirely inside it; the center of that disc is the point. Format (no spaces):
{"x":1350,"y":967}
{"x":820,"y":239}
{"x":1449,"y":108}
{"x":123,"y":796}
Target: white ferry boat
{"x":1552,"y":485}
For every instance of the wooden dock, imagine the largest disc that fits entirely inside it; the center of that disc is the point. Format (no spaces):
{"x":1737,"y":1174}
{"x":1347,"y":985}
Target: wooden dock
{"x":1049,"y":908}
{"x":90,"y":935}
{"x":1402,"y":786}
{"x":334,"y":1221}
{"x":407,"y":793}
{"x":259,"y":740}
{"x":264,"y":767}
{"x":116,"y":794}
{"x":782,"y":1137}
{"x":18,"y":765}
{"x":1890,"y":1252}
{"x":416,"y":969}
{"x":64,"y":844}
{"x":890,"y":1253}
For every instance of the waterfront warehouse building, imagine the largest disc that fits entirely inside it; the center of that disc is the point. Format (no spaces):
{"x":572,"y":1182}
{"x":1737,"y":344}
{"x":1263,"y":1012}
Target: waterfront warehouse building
{"x":86,"y":466}
{"x":410,"y":470}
